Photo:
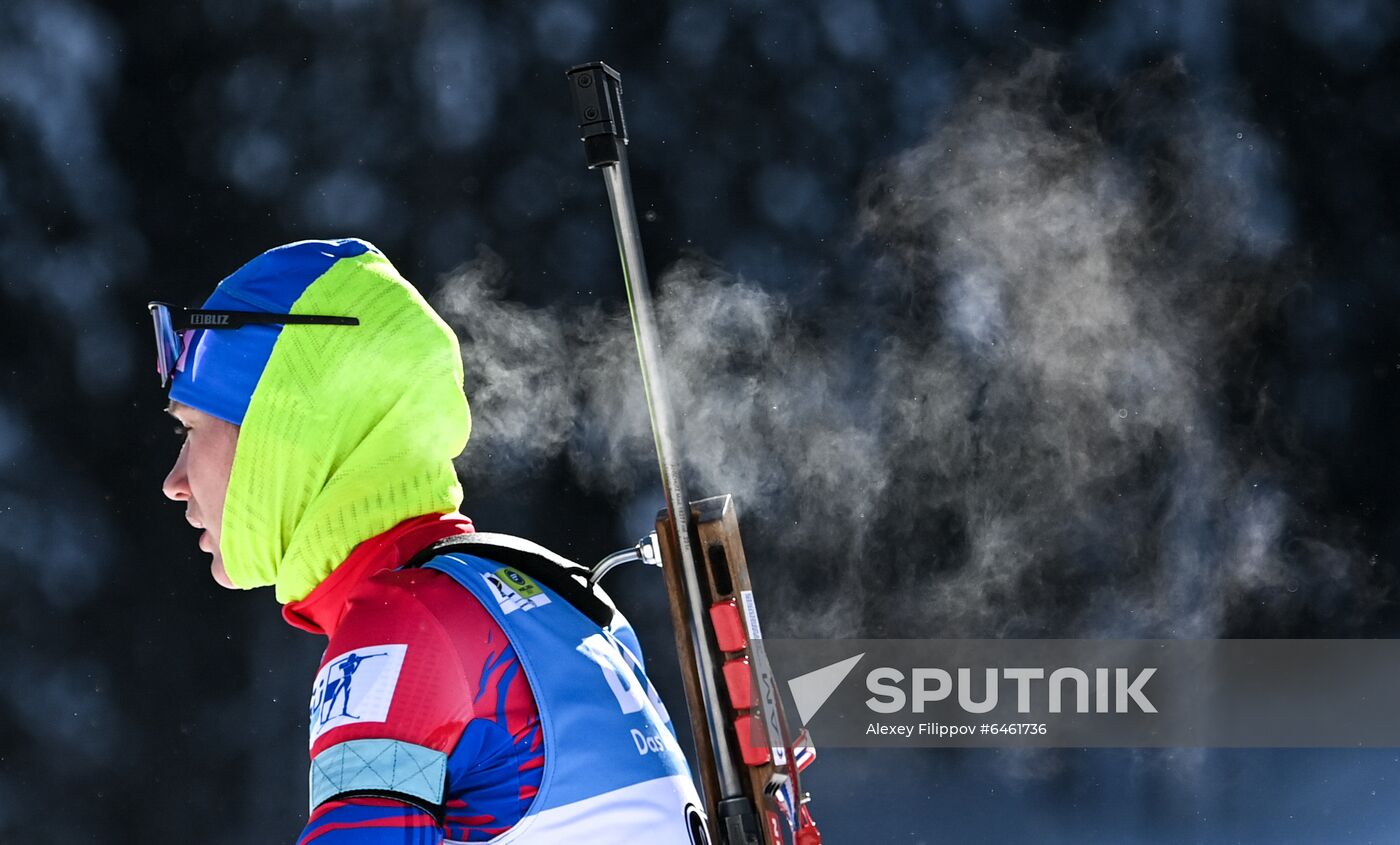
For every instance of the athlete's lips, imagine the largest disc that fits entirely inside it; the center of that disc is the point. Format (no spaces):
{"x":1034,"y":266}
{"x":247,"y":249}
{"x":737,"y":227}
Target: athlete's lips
{"x":192,"y":521}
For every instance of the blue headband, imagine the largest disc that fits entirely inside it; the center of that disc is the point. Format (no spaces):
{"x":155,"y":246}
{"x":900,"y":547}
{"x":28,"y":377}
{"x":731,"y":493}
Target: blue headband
{"x":223,"y":366}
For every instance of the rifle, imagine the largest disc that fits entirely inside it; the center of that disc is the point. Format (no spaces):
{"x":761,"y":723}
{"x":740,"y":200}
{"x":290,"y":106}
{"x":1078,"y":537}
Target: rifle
{"x":749,"y":763}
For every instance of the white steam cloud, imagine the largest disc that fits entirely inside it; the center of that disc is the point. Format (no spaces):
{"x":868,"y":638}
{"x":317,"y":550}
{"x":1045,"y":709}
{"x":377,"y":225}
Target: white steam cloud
{"x":1032,"y":418}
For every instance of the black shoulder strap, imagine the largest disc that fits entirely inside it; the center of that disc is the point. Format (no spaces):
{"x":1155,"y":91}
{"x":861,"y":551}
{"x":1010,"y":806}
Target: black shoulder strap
{"x":566,"y":578}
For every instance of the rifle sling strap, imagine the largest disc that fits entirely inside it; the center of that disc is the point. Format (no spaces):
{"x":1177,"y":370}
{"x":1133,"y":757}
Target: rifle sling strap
{"x":567,"y":579}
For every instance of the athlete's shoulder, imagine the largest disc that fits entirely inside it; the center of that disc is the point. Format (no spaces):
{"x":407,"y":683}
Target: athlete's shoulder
{"x":410,"y":600}
{"x":392,"y":670}
{"x":428,"y":609}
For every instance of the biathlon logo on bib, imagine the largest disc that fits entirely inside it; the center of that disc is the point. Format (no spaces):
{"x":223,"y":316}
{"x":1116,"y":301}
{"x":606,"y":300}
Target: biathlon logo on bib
{"x":514,"y":590}
{"x":355,"y":687}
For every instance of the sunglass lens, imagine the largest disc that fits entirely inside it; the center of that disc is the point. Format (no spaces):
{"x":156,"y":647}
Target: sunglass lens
{"x":186,"y":343}
{"x":168,"y":343}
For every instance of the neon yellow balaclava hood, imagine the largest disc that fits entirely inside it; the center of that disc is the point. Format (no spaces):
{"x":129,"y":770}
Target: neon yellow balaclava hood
{"x":350,"y":429}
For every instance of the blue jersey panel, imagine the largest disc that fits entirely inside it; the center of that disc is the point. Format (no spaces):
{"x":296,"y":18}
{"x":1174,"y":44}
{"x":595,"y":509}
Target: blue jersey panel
{"x":604,"y":727}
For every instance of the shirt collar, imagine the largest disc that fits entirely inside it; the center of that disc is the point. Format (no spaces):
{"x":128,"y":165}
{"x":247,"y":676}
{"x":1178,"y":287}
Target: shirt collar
{"x":320,"y":611}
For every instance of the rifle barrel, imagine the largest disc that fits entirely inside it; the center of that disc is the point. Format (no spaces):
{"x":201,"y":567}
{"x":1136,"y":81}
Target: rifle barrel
{"x":598,"y":101}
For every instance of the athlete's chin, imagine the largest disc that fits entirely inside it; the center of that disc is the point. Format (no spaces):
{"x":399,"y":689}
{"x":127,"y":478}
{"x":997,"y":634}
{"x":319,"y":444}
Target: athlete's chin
{"x":216,"y":568}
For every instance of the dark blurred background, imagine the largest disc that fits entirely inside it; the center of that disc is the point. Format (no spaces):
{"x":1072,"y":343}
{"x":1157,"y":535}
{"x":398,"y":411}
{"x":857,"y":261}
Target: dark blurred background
{"x":862,"y":183}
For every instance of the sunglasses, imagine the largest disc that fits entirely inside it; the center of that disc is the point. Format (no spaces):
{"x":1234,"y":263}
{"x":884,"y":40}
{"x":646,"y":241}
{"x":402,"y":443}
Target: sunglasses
{"x":175,"y":326}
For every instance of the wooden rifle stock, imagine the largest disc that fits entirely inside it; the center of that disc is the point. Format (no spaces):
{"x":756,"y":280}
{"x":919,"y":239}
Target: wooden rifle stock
{"x":756,"y":727}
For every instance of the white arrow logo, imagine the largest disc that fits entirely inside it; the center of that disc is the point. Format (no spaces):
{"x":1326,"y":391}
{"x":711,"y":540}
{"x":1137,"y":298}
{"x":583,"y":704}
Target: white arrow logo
{"x":810,"y":691}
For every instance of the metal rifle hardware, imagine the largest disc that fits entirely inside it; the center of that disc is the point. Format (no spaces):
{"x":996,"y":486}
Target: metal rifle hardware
{"x":644,"y":552}
{"x":749,"y":765}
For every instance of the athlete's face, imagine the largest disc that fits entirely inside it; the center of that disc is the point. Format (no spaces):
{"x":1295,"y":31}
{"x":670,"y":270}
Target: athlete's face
{"x":200,"y":477}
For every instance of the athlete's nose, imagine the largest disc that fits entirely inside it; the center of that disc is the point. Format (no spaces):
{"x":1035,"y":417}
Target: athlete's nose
{"x":176,"y":486}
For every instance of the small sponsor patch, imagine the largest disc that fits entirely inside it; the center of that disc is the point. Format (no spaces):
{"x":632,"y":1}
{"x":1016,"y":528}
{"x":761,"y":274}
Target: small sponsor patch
{"x":355,"y":687}
{"x":519,"y":581}
{"x":750,"y":615}
{"x":514,"y":590}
